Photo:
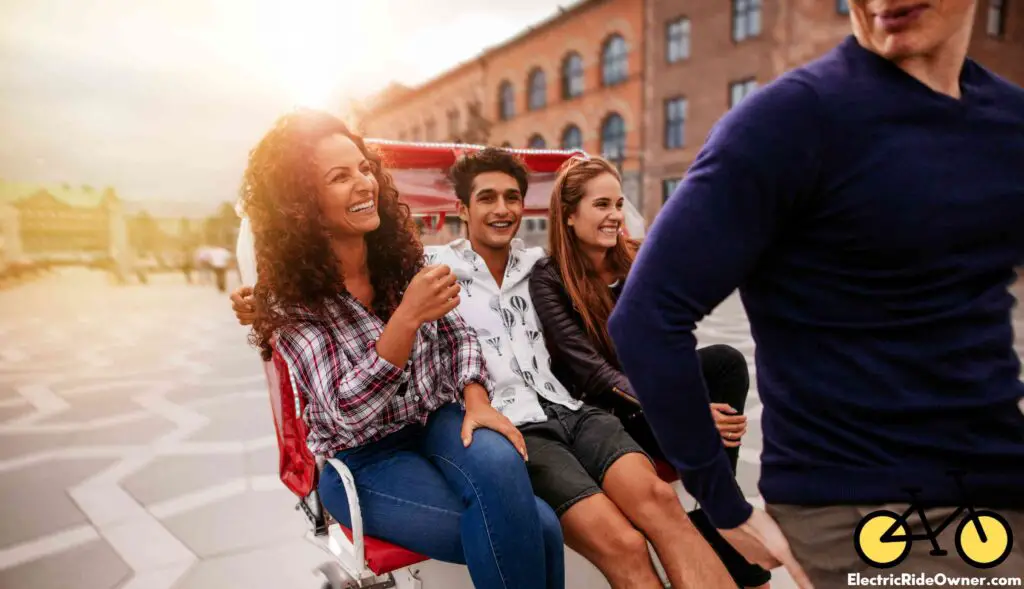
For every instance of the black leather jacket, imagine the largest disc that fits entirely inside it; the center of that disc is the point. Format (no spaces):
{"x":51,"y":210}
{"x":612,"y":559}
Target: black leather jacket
{"x":575,"y":360}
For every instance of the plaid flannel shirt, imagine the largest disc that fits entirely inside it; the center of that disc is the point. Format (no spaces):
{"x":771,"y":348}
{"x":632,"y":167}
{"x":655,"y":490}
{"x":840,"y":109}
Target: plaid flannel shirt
{"x":354,"y":396}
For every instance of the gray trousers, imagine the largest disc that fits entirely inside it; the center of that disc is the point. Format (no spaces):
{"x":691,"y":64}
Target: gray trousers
{"x":822,"y":540}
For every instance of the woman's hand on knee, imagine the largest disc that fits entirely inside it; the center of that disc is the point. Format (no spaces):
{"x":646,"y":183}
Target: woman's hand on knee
{"x":731,"y":426}
{"x":485,"y":416}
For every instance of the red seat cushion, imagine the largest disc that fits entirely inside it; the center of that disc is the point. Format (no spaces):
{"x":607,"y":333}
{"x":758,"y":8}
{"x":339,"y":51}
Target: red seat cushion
{"x":383,"y":557}
{"x":665,"y":471}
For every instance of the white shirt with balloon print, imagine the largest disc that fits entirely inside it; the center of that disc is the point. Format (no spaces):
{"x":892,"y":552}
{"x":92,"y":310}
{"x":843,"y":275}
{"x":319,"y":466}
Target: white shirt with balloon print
{"x":507,"y":325}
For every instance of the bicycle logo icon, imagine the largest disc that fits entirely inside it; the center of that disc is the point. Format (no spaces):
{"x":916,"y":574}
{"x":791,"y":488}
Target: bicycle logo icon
{"x":983,"y":539}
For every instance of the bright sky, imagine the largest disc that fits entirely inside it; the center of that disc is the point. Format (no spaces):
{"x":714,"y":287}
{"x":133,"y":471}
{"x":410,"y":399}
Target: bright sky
{"x":163,"y":98}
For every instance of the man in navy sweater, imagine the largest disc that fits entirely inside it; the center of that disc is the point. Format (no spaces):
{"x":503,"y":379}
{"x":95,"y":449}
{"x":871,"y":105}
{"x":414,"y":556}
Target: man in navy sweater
{"x":869,"y":207}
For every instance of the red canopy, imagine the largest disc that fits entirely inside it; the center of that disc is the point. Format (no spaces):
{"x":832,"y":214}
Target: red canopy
{"x":419,"y":170}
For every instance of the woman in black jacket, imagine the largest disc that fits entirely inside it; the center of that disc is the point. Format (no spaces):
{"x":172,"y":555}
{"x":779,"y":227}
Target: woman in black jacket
{"x":574,"y":291}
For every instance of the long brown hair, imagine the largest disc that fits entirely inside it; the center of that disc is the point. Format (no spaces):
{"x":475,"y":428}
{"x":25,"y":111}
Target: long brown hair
{"x":297,"y":269}
{"x":589,"y":294}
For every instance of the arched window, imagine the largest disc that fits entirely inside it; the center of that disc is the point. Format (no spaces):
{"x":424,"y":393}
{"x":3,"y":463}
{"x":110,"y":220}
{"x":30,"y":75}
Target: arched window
{"x":454,"y":122}
{"x":506,"y":101}
{"x":614,"y":61}
{"x":572,"y":138}
{"x":430,"y":130}
{"x":506,"y":144}
{"x":572,"y":76}
{"x":536,"y":142}
{"x":613,"y":138}
{"x":538,"y":84}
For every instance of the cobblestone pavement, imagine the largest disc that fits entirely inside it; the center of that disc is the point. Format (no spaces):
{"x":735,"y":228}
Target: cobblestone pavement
{"x":137,"y":449}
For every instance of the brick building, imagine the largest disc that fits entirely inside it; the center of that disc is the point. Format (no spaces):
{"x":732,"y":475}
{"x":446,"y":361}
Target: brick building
{"x":703,"y":56}
{"x":641,"y":81}
{"x":572,"y":81}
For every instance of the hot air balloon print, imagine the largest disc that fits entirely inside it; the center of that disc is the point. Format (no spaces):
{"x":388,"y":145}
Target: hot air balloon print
{"x":533,"y":336}
{"x":494,"y":304}
{"x":470,"y":256}
{"x":528,"y":377}
{"x":465,"y":283}
{"x":509,"y":321}
{"x":431,"y":258}
{"x":494,"y":342}
{"x":520,"y":306}
{"x":513,"y":265}
{"x":515,"y":368}
{"x":507,"y":397}
{"x":536,"y":366}
{"x":549,"y":387}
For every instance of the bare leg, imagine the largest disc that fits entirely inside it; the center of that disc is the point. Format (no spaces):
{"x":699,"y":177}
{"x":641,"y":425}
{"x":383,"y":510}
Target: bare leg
{"x":653,"y":506}
{"x":596,"y":529}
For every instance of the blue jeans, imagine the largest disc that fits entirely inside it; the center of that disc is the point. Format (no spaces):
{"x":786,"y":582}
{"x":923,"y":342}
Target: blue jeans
{"x":421,"y":489}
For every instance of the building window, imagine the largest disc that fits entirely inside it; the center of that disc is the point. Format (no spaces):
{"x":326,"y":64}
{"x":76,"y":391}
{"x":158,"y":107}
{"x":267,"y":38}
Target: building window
{"x":675,"y":123}
{"x":996,"y":17}
{"x":506,"y":101}
{"x":677,"y":40}
{"x":537,"y":142}
{"x":454,"y":122}
{"x":746,"y":19}
{"x":416,"y":134}
{"x":614,"y":61}
{"x":740,"y":90}
{"x":668,"y":186}
{"x":572,"y":76}
{"x":572,"y":138}
{"x":843,"y":6}
{"x":613,"y":139}
{"x":538,"y":84}
{"x":402,"y":136}
{"x":506,"y":144}
{"x":431,"y":130}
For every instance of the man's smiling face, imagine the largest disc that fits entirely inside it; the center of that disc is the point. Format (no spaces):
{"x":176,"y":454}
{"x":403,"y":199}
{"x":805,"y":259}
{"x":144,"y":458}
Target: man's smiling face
{"x":494,"y":212}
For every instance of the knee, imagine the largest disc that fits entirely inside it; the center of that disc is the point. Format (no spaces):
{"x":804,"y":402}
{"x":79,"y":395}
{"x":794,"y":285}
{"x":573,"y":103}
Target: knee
{"x":658,"y":499}
{"x":491,"y":452}
{"x":624,"y":544}
{"x":728,"y":375}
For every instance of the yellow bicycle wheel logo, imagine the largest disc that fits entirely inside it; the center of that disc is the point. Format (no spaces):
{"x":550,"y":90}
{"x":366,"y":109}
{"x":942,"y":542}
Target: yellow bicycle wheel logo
{"x":883,"y":538}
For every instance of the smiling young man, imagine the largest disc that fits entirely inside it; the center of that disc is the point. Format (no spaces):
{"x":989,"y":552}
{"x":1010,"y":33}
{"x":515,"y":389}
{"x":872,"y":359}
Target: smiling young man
{"x":869,"y":208}
{"x":582,"y":462}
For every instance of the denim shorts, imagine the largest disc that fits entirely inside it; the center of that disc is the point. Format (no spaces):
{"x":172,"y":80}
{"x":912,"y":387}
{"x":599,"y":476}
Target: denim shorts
{"x":571,"y":452}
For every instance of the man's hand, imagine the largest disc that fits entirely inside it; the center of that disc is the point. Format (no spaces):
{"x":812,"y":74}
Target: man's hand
{"x":730,"y":426}
{"x":243,"y":304}
{"x":760,"y":541}
{"x":480,"y":413}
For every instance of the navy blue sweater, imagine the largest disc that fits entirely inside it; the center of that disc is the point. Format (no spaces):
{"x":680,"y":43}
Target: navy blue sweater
{"x":872,"y":227}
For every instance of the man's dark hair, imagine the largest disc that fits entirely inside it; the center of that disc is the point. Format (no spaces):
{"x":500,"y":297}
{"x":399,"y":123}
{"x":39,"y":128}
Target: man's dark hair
{"x":489,"y":159}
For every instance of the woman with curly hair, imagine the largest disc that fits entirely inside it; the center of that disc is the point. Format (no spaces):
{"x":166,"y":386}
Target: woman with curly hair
{"x":574,"y":291}
{"x":395,"y":381}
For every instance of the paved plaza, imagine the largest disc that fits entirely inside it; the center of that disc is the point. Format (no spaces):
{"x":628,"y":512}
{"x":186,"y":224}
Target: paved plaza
{"x":137,"y":449}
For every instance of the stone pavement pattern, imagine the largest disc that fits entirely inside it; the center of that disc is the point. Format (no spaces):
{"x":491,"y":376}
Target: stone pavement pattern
{"x":137,"y":448}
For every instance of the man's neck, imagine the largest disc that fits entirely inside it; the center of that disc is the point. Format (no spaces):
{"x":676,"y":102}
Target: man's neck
{"x":496,"y":259}
{"x":938,"y":69}
{"x":940,"y":72}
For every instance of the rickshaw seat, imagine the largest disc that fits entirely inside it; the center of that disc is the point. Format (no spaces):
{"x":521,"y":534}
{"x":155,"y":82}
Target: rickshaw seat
{"x":298,"y":467}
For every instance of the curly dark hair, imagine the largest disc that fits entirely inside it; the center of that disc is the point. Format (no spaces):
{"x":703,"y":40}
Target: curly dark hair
{"x":298,"y":272}
{"x":489,"y":159}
